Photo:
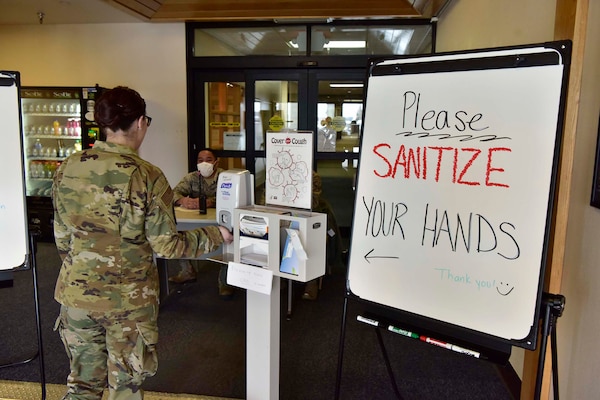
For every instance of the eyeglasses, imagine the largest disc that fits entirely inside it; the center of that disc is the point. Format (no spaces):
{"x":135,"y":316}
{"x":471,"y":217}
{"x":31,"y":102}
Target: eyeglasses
{"x":148,"y":120}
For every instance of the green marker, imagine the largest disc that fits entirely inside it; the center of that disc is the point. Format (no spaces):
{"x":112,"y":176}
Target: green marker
{"x":403,"y":332}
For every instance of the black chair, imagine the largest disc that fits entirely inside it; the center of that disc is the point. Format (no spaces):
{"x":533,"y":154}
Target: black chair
{"x":333,"y":249}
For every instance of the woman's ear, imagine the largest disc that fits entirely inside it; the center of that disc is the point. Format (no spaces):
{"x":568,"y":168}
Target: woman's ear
{"x":140,"y":122}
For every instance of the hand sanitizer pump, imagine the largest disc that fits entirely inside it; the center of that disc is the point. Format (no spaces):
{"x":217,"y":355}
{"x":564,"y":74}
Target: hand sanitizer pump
{"x":235,"y":188}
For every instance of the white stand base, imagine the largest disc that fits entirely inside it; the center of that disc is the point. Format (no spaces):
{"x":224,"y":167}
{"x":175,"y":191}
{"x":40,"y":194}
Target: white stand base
{"x":262,"y":343}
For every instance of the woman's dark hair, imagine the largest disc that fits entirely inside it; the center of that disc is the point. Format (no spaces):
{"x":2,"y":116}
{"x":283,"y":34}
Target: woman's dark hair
{"x":117,"y":108}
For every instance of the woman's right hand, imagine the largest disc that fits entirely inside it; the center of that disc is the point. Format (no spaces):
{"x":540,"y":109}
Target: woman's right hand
{"x":227,"y":236}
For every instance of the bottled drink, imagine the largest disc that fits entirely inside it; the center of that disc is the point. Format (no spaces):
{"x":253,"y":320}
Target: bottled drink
{"x":47,"y":172}
{"x":33,"y":172}
{"x":202,"y":203}
{"x":38,"y":149}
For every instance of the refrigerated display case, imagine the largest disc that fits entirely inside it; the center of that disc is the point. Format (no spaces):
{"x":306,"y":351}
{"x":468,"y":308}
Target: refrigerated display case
{"x":57,"y":122}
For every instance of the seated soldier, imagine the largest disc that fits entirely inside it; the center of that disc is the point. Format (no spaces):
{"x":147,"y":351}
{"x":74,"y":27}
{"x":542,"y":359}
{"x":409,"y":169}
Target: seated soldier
{"x":187,"y":194}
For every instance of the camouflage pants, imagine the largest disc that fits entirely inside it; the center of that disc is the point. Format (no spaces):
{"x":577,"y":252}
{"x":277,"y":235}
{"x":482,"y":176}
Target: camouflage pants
{"x":114,"y":348}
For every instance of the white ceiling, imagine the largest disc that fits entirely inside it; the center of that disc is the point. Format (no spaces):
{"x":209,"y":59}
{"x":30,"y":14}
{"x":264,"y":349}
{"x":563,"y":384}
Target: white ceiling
{"x":62,"y":12}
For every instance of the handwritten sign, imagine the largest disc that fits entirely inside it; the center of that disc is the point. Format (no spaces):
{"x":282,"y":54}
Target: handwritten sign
{"x":250,"y":277}
{"x":13,"y":216}
{"x":453,"y":192}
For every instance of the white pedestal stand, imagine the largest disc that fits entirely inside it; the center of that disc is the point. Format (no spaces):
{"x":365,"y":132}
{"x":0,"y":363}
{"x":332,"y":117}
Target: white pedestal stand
{"x":262,"y":343}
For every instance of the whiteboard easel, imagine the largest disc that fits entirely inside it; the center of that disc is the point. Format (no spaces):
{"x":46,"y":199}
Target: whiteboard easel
{"x":459,"y":156}
{"x":14,"y":241}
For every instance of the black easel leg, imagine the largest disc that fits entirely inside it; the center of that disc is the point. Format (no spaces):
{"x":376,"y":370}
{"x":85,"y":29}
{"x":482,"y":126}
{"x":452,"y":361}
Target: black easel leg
{"x":338,"y":379}
{"x":553,"y":308}
{"x":40,"y":352}
{"x":542,"y":356}
{"x":387,"y":364}
{"x":554,"y":363}
{"x":37,"y":314}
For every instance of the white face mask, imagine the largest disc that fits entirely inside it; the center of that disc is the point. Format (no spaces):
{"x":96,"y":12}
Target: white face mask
{"x":206,"y":169}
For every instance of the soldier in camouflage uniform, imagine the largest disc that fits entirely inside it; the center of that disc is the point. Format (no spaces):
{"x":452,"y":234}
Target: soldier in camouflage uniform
{"x":112,"y":211}
{"x":186,"y":194}
{"x":201,"y":182}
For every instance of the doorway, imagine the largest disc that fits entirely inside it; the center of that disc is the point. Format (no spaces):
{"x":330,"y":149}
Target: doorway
{"x":232,"y":110}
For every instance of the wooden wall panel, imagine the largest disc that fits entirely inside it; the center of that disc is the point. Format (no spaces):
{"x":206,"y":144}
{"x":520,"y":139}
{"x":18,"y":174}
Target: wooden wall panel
{"x":239,"y":10}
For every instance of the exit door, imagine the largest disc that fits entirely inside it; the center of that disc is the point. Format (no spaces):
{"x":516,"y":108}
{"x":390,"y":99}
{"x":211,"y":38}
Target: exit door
{"x":232,"y":110}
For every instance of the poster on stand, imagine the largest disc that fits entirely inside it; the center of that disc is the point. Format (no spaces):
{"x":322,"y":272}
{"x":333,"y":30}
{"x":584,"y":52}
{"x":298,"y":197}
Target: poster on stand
{"x":289,"y":169}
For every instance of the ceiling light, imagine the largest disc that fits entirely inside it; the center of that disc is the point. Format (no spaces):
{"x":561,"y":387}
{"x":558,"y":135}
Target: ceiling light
{"x":345,"y":44}
{"x":345,"y":85}
{"x":319,"y":42}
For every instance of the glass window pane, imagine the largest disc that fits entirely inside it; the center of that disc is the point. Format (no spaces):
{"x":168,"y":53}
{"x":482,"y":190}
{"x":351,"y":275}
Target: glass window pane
{"x":232,"y":163}
{"x":275,"y":108}
{"x":329,"y":39}
{"x":339,"y":116}
{"x":260,"y":176}
{"x":338,"y":179}
{"x":245,"y":41}
{"x":225,"y":115}
{"x":375,"y":39}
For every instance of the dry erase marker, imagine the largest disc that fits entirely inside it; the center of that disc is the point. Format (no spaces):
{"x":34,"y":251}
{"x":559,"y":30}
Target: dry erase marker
{"x":462,"y":350}
{"x":367,"y":320}
{"x":403,"y":332}
{"x":436,"y":342}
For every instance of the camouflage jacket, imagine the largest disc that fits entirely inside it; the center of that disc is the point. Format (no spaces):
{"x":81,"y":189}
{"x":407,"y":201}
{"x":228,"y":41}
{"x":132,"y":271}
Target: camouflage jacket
{"x":112,"y":211}
{"x":190,"y":185}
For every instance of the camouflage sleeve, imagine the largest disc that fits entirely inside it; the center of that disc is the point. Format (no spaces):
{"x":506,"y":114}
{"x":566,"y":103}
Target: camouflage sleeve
{"x":161,"y":229}
{"x":61,"y":235}
{"x":183,"y":188}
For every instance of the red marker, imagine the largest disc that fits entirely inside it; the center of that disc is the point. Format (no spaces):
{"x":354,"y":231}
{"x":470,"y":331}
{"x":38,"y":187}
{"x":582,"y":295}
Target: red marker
{"x":451,"y":346}
{"x":436,"y":342}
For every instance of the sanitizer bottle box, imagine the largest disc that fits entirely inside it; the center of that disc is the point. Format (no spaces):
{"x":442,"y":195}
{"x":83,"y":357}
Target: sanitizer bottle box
{"x":290,"y":243}
{"x":235,"y":188}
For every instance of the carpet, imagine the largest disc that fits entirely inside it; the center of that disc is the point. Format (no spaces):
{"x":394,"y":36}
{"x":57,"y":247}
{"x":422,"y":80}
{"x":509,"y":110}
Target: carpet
{"x":202,"y":345}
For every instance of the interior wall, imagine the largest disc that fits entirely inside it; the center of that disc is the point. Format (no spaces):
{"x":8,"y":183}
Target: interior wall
{"x":478,"y":24}
{"x":149,"y":58}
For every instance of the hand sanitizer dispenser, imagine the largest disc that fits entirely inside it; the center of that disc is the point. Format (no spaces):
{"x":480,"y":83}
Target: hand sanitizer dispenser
{"x":235,"y":188}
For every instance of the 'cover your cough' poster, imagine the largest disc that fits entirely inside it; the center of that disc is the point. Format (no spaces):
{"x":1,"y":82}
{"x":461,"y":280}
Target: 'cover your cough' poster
{"x":289,"y":169}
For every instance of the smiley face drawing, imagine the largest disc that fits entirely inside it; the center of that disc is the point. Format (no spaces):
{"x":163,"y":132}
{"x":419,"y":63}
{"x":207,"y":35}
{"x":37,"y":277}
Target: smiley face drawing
{"x":503,"y":289}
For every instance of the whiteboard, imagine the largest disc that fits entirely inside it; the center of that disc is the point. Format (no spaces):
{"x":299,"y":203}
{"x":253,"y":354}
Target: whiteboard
{"x":13,"y":216}
{"x":455,"y":187}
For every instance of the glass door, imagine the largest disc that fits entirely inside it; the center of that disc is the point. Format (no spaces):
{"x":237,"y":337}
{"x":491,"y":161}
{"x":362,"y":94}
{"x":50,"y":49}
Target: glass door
{"x":278,"y":105}
{"x":231,"y":112}
{"x":337,"y":100}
